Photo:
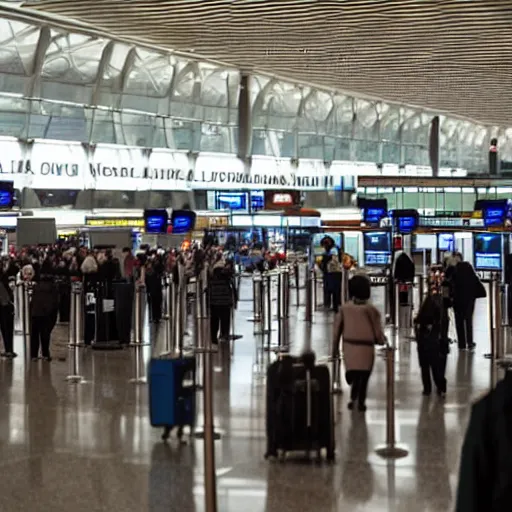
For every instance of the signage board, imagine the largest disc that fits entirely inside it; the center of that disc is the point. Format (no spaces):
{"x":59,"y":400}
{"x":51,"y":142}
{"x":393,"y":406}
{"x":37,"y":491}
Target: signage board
{"x":281,"y":199}
{"x":114,"y":222}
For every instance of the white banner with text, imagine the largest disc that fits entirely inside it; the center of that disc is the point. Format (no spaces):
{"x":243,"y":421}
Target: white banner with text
{"x":43,"y":164}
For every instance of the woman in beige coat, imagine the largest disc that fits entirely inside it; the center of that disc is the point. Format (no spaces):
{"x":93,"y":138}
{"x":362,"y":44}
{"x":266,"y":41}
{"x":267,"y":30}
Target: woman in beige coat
{"x":359,"y":323}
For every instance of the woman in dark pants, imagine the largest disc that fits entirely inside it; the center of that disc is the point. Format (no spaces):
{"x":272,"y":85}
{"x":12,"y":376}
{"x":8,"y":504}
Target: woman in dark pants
{"x":221,"y":299}
{"x":154,"y":289}
{"x":431,"y":352}
{"x":43,"y":311}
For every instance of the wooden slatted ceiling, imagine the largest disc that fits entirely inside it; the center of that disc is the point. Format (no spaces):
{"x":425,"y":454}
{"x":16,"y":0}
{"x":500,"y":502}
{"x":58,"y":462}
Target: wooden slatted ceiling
{"x":448,"y":55}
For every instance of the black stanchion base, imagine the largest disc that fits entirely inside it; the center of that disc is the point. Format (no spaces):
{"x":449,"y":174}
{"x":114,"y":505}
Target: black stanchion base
{"x":138,"y":380}
{"x":235,"y":337}
{"x":488,"y":356}
{"x":391,"y":452}
{"x":135,"y":345}
{"x":106,"y":345}
{"x":255,"y":320}
{"x":76,"y":379}
{"x":336,"y":389}
{"x":200,"y":435}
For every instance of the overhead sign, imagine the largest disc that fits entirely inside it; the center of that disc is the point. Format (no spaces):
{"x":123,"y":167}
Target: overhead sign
{"x":114,"y":222}
{"x":283,"y":199}
{"x":44,"y":164}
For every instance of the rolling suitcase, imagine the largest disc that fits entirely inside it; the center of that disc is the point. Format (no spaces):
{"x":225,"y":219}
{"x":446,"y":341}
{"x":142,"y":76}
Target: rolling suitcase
{"x":299,"y":408}
{"x":172,"y":393}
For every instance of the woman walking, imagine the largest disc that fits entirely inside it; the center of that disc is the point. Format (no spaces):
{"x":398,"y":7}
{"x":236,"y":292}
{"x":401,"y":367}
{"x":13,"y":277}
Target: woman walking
{"x":359,"y":323}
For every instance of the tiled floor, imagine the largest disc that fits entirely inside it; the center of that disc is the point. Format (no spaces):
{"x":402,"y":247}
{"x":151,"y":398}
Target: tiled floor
{"x":90,"y":448}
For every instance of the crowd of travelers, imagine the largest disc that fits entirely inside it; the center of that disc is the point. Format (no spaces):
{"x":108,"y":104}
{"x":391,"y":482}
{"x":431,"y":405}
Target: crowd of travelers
{"x":50,"y":272}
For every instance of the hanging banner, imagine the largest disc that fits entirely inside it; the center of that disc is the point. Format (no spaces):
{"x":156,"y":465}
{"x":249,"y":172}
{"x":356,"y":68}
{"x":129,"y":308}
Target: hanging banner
{"x":43,"y":164}
{"x":228,"y":172}
{"x":168,"y":170}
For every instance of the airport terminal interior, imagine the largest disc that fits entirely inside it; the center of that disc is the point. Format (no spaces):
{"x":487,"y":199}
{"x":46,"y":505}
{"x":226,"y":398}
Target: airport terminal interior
{"x":220,"y":221}
{"x":91,"y":447}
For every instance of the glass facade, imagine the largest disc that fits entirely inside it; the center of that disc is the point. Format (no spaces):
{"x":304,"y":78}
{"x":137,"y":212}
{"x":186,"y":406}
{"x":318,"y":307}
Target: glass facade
{"x":447,"y":199}
{"x":57,"y":84}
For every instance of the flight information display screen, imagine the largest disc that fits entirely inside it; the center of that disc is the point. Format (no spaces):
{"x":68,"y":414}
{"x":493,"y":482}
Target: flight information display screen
{"x":488,"y":251}
{"x":377,"y":249}
{"x":446,"y":242}
{"x":231,"y":200}
{"x":156,"y":221}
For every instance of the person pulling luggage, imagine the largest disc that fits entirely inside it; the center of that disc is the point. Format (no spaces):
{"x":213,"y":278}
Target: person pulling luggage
{"x":359,"y":323}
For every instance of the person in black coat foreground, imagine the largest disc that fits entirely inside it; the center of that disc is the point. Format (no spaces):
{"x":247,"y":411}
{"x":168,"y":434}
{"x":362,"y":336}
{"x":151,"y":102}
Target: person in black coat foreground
{"x":485,"y":478}
{"x":466,"y":289}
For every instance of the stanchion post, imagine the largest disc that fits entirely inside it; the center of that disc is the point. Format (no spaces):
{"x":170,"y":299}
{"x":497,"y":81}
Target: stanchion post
{"x":280,"y":291}
{"x":336,"y":370}
{"x":344,"y":279}
{"x":268,"y":312}
{"x":139,"y":315}
{"x":421,"y":289}
{"x":285,"y":286}
{"x":492,"y":337}
{"x":75,"y":334}
{"x":26,"y":318}
{"x":309,"y":299}
{"x":208,"y":434}
{"x":504,"y":308}
{"x":315,"y":289}
{"x":390,"y":450}
{"x":397,"y":305}
{"x":296,"y":268}
{"x":498,"y":319}
{"x":210,"y":478}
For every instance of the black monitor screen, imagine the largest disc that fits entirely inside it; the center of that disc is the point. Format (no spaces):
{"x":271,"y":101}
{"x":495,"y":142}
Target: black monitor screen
{"x":156,"y":221}
{"x":377,"y":248}
{"x":406,"y":224}
{"x":446,"y":242}
{"x":373,"y":215}
{"x":6,"y":195}
{"x":182,"y":221}
{"x":488,"y":251}
{"x":231,"y":201}
{"x":257,"y":200}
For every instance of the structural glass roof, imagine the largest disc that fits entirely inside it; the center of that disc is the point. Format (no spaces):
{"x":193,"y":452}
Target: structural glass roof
{"x":451,"y":56}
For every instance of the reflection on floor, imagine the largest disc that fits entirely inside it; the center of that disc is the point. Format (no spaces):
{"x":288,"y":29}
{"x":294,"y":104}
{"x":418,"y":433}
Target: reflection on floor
{"x":90,"y":447}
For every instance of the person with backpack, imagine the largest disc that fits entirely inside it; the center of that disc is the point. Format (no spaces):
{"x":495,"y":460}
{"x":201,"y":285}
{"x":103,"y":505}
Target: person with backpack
{"x":431,"y":356}
{"x":359,"y":324}
{"x":467,"y":287}
{"x":333,"y":282}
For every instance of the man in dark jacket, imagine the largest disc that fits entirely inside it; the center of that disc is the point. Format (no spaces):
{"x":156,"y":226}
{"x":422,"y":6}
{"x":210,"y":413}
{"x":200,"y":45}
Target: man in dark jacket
{"x":485,"y":479}
{"x":466,"y":289}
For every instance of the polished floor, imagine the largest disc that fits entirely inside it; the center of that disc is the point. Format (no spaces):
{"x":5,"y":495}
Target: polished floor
{"x":89,"y":447}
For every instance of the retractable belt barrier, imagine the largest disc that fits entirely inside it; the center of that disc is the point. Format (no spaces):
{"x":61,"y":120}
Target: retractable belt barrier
{"x":75,"y":333}
{"x":390,"y":450}
{"x":139,"y":315}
